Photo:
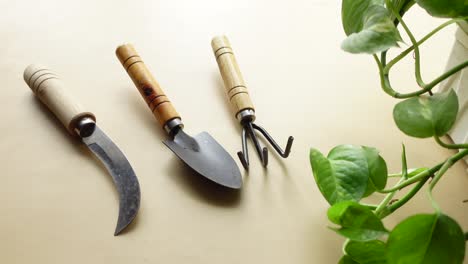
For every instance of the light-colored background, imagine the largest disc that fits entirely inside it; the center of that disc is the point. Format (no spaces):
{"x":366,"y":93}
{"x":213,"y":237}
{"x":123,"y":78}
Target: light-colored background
{"x":59,"y":205}
{"x":458,"y":82}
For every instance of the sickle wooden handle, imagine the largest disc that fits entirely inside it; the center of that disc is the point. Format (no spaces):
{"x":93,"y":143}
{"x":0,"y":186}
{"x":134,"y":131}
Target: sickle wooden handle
{"x":52,"y":92}
{"x":148,"y":86}
{"x":233,"y":81}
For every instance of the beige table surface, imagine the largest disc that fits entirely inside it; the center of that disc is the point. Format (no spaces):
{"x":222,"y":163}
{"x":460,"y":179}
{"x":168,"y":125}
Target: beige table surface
{"x":59,"y":205}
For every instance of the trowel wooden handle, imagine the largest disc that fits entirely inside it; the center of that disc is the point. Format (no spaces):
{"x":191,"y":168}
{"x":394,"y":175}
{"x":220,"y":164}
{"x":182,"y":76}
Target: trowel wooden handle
{"x":148,"y":86}
{"x":47,"y":86}
{"x":233,"y":81}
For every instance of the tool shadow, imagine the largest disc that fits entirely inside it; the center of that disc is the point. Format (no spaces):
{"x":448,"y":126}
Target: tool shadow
{"x":202,"y":189}
{"x":194,"y":184}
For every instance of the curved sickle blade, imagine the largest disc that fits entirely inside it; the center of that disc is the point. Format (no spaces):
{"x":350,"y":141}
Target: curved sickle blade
{"x":122,"y":173}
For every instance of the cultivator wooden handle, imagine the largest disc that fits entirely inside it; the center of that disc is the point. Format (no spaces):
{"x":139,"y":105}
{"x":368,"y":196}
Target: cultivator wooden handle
{"x":149,"y":88}
{"x":47,"y":86}
{"x":233,"y":81}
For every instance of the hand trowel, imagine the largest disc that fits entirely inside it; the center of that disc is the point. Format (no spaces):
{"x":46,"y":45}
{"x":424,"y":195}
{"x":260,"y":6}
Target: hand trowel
{"x":50,"y":90}
{"x":201,"y":152}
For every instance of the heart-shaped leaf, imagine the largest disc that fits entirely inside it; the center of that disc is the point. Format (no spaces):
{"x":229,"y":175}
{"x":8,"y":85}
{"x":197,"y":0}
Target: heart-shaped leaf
{"x":445,"y":8}
{"x":343,"y":175}
{"x":369,"y":27}
{"x":348,"y":173}
{"x":378,"y":172}
{"x":428,"y":239}
{"x":427,"y":116}
{"x":357,"y":221}
{"x":369,"y":252}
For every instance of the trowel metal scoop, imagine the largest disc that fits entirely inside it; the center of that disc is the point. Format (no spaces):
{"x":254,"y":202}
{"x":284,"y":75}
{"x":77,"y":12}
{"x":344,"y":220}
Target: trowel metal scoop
{"x":201,"y":152}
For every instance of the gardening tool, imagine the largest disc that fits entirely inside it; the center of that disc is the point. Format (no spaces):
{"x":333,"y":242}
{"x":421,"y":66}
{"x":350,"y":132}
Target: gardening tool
{"x":202,"y":153}
{"x":243,"y":107}
{"x":47,"y":86}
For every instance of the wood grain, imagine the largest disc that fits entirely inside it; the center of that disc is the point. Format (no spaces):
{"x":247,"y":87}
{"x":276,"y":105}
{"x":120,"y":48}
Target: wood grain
{"x":47,"y":86}
{"x":233,"y":81}
{"x":146,"y":84}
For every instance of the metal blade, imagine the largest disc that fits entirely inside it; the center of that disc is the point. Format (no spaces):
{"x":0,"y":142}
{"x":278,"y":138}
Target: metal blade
{"x":207,"y":157}
{"x":122,"y":173}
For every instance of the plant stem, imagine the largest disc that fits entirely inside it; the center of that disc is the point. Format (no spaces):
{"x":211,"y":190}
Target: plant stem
{"x":417,"y":62}
{"x":449,"y":163}
{"x":420,"y":184}
{"x":385,"y":201}
{"x":421,"y":41}
{"x":384,"y":80}
{"x":386,"y":86}
{"x":444,"y":76}
{"x":428,"y":87}
{"x":392,"y":208}
{"x":416,"y":178}
{"x":384,"y":68}
{"x":404,"y":175}
{"x":450,"y":146}
{"x":436,"y":179}
{"x":409,"y":171}
{"x":403,"y":9}
{"x":370,"y":206}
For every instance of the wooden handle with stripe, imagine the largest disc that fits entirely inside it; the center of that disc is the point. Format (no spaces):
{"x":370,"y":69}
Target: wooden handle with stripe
{"x":232,"y":76}
{"x":149,"y":88}
{"x":47,"y":86}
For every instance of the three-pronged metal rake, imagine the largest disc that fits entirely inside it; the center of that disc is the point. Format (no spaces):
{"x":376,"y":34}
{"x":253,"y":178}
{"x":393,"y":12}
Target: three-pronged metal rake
{"x":244,"y":109}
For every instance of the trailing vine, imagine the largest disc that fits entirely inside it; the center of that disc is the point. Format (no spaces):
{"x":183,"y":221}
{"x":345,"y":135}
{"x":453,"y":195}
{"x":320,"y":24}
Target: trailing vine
{"x":349,"y":173}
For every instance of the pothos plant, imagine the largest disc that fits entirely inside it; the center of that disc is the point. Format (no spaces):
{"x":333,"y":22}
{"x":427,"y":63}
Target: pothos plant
{"x":350,"y":173}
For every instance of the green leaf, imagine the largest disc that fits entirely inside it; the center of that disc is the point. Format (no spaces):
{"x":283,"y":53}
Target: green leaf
{"x":378,"y":172}
{"x":349,"y":173}
{"x":428,"y":239}
{"x":427,"y":116}
{"x":369,"y":27}
{"x":445,"y":8}
{"x":352,"y":14}
{"x":369,"y":252}
{"x":357,"y":221}
{"x":347,"y":260}
{"x":343,"y":175}
{"x":401,"y":6}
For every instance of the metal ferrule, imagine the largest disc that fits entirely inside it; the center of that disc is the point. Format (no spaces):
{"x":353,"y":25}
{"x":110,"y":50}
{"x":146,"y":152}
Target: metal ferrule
{"x":172,"y":125}
{"x":85,"y":127}
{"x":246,"y":115}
